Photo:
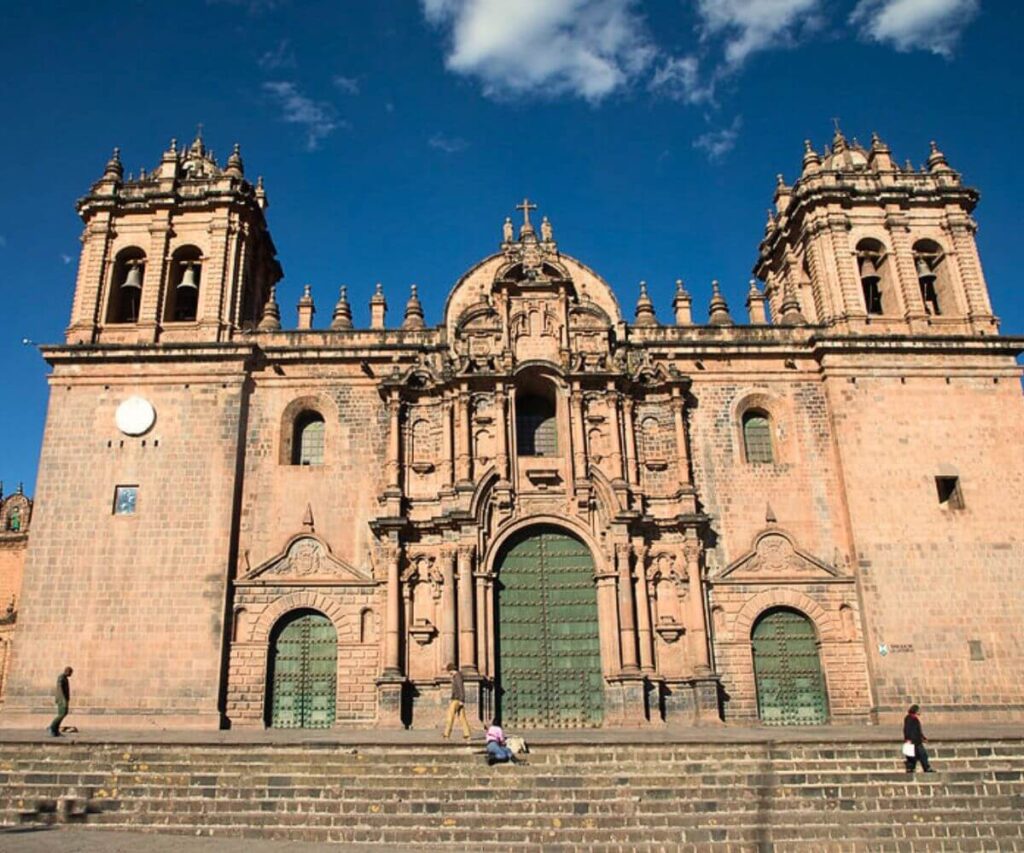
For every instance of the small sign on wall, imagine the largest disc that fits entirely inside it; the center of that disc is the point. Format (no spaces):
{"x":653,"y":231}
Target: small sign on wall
{"x":885,"y":649}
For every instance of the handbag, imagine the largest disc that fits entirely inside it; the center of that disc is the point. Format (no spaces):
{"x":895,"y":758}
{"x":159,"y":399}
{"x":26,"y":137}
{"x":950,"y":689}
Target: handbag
{"x":909,"y":750}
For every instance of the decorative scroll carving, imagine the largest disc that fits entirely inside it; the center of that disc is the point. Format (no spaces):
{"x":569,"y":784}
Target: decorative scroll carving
{"x":775,"y":556}
{"x":306,"y":557}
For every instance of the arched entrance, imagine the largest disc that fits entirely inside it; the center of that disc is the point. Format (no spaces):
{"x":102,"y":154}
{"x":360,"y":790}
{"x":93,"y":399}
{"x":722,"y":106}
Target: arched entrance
{"x":302,"y":672}
{"x":787,"y":670}
{"x":548,"y":652}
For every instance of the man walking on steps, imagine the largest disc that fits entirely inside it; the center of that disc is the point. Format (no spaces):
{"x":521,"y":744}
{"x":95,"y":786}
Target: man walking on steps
{"x":914,"y":734}
{"x":457,"y":706}
{"x":62,"y":696}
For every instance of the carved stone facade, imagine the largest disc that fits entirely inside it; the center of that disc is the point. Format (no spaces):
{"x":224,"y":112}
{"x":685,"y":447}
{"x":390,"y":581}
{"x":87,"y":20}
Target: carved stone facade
{"x":205,"y":482}
{"x":15,"y":521}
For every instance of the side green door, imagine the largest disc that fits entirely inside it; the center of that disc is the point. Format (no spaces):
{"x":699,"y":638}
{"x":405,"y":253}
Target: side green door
{"x":549,"y":653}
{"x":787,"y":671}
{"x":303,"y":667}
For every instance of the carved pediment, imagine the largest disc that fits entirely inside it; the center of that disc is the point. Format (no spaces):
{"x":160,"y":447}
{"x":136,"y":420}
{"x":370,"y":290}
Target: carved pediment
{"x":775,"y":557}
{"x":307,"y":558}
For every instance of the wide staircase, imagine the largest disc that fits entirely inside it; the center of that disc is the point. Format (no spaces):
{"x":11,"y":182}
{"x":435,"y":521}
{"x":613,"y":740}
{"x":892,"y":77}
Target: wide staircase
{"x":742,"y":796}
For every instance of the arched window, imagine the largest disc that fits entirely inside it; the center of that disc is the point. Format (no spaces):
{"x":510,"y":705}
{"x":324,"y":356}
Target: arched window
{"x":126,"y":286}
{"x":757,"y":437}
{"x":536,"y":424}
{"x":932,"y":277}
{"x":308,"y":439}
{"x":874,"y":280}
{"x":182,"y":304}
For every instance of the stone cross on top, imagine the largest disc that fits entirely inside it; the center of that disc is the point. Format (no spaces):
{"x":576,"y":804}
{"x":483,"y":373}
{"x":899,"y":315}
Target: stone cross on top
{"x":526,"y":207}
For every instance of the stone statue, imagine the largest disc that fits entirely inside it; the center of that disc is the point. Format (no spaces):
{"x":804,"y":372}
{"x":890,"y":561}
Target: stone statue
{"x":547,"y":233}
{"x":507,"y":231}
{"x":14,"y":522}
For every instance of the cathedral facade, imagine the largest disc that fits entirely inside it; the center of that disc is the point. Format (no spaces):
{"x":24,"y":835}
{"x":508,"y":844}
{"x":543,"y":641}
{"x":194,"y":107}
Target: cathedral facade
{"x":809,"y":513}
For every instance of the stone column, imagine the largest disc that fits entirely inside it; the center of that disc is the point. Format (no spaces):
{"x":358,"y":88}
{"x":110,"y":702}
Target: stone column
{"x":682,"y":451}
{"x":627,"y":625}
{"x":448,"y":440}
{"x":697,"y":628}
{"x":608,"y":619}
{"x":616,"y":430}
{"x":467,"y":628}
{"x":463,"y":434}
{"x":501,"y":427}
{"x":632,"y":472}
{"x":392,"y":667}
{"x":483,"y":627}
{"x":968,"y":265}
{"x":394,"y":441}
{"x":448,"y":607}
{"x":903,"y":273}
{"x":579,"y":448}
{"x":643,"y":613}
{"x":155,"y":279}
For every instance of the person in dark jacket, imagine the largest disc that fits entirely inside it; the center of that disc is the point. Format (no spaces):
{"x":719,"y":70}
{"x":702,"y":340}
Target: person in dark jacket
{"x":62,"y":696}
{"x":913,"y":733}
{"x":457,"y":705}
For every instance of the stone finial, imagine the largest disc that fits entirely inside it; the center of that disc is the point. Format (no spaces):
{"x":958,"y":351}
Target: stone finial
{"x":261,"y":194}
{"x":306,"y":308}
{"x":936,"y":159}
{"x":235,"y":168}
{"x":783,"y":193}
{"x":342,"y":318}
{"x":378,"y":307}
{"x":271,"y":319}
{"x":755,"y":305}
{"x":790,"y":314}
{"x":307,"y":519}
{"x":769,"y":514}
{"x":645,"y":315}
{"x":718,"y":309}
{"x":879,"y":157}
{"x":839,"y":143}
{"x":682,"y":305}
{"x":114,"y":170}
{"x":21,"y":488}
{"x":413,"y":311}
{"x":812,"y":160}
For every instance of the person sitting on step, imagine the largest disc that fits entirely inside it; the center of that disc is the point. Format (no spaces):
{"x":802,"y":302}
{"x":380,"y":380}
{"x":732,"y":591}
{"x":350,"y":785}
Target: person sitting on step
{"x":497,"y":748}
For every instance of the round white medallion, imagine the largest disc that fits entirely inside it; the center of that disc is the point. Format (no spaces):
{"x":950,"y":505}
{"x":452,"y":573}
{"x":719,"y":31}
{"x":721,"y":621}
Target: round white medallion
{"x":135,"y":415}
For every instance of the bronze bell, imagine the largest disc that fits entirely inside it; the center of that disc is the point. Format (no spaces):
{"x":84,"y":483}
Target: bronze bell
{"x":925,"y":273}
{"x":190,"y":279}
{"x":869,"y":268}
{"x":133,"y":280}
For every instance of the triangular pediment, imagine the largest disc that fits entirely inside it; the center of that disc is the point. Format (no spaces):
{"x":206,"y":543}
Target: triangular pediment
{"x":306,"y":558}
{"x":774,"y":556}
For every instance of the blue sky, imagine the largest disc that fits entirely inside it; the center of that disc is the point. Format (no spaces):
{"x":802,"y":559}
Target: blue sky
{"x":395,"y":136}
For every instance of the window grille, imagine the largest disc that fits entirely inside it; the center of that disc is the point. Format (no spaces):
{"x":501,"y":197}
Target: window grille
{"x":308,"y":448}
{"x":536,"y":426}
{"x":757,"y":437}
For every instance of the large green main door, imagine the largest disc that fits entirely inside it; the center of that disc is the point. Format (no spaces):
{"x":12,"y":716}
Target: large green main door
{"x":790,"y":686}
{"x":549,"y":653}
{"x":303,"y":671}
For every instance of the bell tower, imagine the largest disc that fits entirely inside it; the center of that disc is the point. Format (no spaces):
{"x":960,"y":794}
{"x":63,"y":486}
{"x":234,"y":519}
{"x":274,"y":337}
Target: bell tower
{"x":868,"y":247}
{"x":178,"y":254}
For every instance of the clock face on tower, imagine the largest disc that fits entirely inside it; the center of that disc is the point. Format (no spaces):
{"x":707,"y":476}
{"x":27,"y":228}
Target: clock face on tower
{"x":135,"y":416}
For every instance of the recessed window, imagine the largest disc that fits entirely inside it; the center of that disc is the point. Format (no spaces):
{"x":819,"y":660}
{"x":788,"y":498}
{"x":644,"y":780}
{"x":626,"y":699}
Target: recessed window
{"x":757,"y":437}
{"x":949,"y":492}
{"x":308,"y":439}
{"x":125,"y":499}
{"x":536,"y":425}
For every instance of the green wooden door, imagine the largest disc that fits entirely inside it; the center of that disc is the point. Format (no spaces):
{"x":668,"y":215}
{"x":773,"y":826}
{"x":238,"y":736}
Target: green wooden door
{"x":787,"y":671}
{"x":549,"y":653}
{"x":303,"y":668}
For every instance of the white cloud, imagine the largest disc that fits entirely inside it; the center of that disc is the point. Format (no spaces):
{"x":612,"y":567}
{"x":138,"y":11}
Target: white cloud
{"x":933,"y":25}
{"x":586,"y":48}
{"x":680,"y":78}
{"x":447,"y":144}
{"x":752,"y":25}
{"x":348,"y":85}
{"x":281,"y":56}
{"x":717,"y":143}
{"x":316,"y":118}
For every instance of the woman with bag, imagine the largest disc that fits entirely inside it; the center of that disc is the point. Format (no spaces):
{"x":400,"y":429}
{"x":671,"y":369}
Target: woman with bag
{"x":913,"y":741}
